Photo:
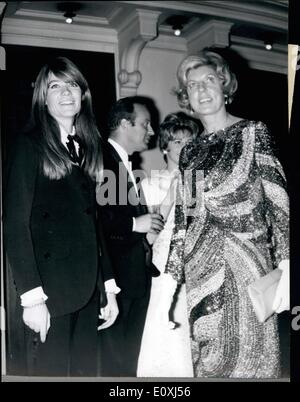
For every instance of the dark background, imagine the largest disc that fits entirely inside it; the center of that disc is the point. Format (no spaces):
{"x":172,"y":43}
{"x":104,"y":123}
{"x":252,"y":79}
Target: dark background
{"x":22,"y":67}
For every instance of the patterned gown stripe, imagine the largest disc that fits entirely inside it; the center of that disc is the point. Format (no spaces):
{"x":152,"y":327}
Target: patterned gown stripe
{"x":268,"y":160}
{"x":277,"y":195}
{"x":240,"y":172}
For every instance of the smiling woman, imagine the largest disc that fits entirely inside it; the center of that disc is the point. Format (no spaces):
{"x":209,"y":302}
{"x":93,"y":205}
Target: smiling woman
{"x":18,"y":86}
{"x":63,"y":100}
{"x":166,"y":353}
{"x":239,"y":233}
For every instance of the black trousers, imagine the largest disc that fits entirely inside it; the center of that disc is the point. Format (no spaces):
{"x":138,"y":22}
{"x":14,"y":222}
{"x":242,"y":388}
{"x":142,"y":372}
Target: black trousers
{"x":71,"y":345}
{"x":120,"y":344}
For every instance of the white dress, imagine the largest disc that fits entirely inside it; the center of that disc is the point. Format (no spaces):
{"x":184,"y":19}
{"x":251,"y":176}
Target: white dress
{"x":164,"y":352}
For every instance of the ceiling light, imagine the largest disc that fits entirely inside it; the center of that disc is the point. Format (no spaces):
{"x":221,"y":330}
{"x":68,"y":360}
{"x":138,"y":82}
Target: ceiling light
{"x":69,"y":10}
{"x":268,"y":46}
{"x":177,"y":22}
{"x":177,"y":28}
{"x":177,"y":31}
{"x":69,"y":15}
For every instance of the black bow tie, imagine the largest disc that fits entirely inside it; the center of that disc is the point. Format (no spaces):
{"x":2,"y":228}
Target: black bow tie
{"x":75,"y":158}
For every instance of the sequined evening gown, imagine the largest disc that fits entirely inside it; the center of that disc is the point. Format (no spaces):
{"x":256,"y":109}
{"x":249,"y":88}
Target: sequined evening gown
{"x":222,"y":243}
{"x":164,"y":352}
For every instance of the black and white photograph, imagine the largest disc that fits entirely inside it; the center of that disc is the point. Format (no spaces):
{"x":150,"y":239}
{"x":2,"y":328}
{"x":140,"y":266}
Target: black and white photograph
{"x":147,"y":170}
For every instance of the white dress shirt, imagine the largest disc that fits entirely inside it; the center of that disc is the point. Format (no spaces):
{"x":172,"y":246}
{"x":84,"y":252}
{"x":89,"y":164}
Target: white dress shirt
{"x":64,"y":137}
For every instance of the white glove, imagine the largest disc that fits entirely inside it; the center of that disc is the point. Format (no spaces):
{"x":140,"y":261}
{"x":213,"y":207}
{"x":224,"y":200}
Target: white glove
{"x":37,"y":318}
{"x":282,"y":296}
{"x":110,"y":312}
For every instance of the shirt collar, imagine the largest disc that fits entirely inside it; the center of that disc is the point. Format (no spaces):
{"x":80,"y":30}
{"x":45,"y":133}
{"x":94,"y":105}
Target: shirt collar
{"x":120,"y":150}
{"x":64,"y":134}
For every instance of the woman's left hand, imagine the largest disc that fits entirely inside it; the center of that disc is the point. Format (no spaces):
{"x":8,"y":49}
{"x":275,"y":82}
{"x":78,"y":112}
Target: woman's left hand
{"x":282,"y":296}
{"x":110,"y":312}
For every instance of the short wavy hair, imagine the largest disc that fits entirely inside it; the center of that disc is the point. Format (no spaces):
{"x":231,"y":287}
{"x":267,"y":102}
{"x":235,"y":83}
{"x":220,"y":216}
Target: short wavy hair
{"x":173,"y":123}
{"x":204,"y":58}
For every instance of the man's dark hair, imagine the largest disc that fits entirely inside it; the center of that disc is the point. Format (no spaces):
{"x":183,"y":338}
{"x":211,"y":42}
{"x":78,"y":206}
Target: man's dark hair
{"x":124,"y":109}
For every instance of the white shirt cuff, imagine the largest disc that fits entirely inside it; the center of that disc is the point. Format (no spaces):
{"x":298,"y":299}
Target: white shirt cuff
{"x":32,"y":296}
{"x":133,"y":224}
{"x":111,"y":287}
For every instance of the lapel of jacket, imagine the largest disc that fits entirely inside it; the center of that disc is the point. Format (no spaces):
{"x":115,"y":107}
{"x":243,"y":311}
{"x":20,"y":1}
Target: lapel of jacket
{"x":124,"y":181}
{"x":142,"y":201}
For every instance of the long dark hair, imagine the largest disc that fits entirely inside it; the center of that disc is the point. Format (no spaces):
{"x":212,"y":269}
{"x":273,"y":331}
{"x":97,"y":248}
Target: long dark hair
{"x":55,"y":160}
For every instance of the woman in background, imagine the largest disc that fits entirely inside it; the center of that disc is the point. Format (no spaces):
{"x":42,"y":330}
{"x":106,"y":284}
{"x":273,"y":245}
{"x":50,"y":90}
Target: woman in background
{"x":166,"y":353}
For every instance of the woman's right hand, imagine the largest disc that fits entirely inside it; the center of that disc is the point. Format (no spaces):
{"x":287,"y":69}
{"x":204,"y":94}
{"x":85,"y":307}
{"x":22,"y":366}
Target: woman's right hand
{"x":37,"y":318}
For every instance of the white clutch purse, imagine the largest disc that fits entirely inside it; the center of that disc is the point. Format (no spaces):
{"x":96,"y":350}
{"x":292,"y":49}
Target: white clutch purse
{"x":262,"y":293}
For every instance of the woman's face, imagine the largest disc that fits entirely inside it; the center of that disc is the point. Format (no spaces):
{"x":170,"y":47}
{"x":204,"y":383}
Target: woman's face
{"x":63,"y":98}
{"x":181,"y":138}
{"x":205,"y":90}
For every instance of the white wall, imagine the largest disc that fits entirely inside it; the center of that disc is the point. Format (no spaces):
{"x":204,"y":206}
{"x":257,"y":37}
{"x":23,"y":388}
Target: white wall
{"x":158,"y":68}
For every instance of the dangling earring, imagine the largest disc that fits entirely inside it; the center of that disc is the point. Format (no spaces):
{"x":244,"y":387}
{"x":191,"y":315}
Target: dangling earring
{"x":165,"y":152}
{"x":226,"y":99}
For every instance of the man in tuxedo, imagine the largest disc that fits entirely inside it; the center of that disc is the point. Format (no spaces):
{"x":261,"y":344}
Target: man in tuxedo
{"x":126,"y":221}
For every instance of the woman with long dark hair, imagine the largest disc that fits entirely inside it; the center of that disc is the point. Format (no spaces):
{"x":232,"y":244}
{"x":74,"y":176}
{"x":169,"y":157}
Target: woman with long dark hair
{"x":231,"y":227}
{"x":54,"y":244}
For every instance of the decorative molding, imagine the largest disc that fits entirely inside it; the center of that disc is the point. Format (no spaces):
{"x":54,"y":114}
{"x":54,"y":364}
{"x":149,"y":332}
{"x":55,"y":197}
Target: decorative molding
{"x":51,"y":15}
{"x":2,"y":7}
{"x":17,"y":31}
{"x":124,"y":19}
{"x":259,"y":58}
{"x":258,"y":44}
{"x":126,"y":31}
{"x":168,"y":43}
{"x":134,"y":33}
{"x":210,"y":33}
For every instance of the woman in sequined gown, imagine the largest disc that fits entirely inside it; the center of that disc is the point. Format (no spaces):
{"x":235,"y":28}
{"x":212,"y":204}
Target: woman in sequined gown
{"x":231,"y":228}
{"x":166,"y":352}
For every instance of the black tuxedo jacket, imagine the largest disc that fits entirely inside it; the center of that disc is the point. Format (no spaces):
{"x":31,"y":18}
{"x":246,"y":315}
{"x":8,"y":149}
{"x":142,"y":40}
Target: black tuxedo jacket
{"x":50,"y":231}
{"x":129,"y":251}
